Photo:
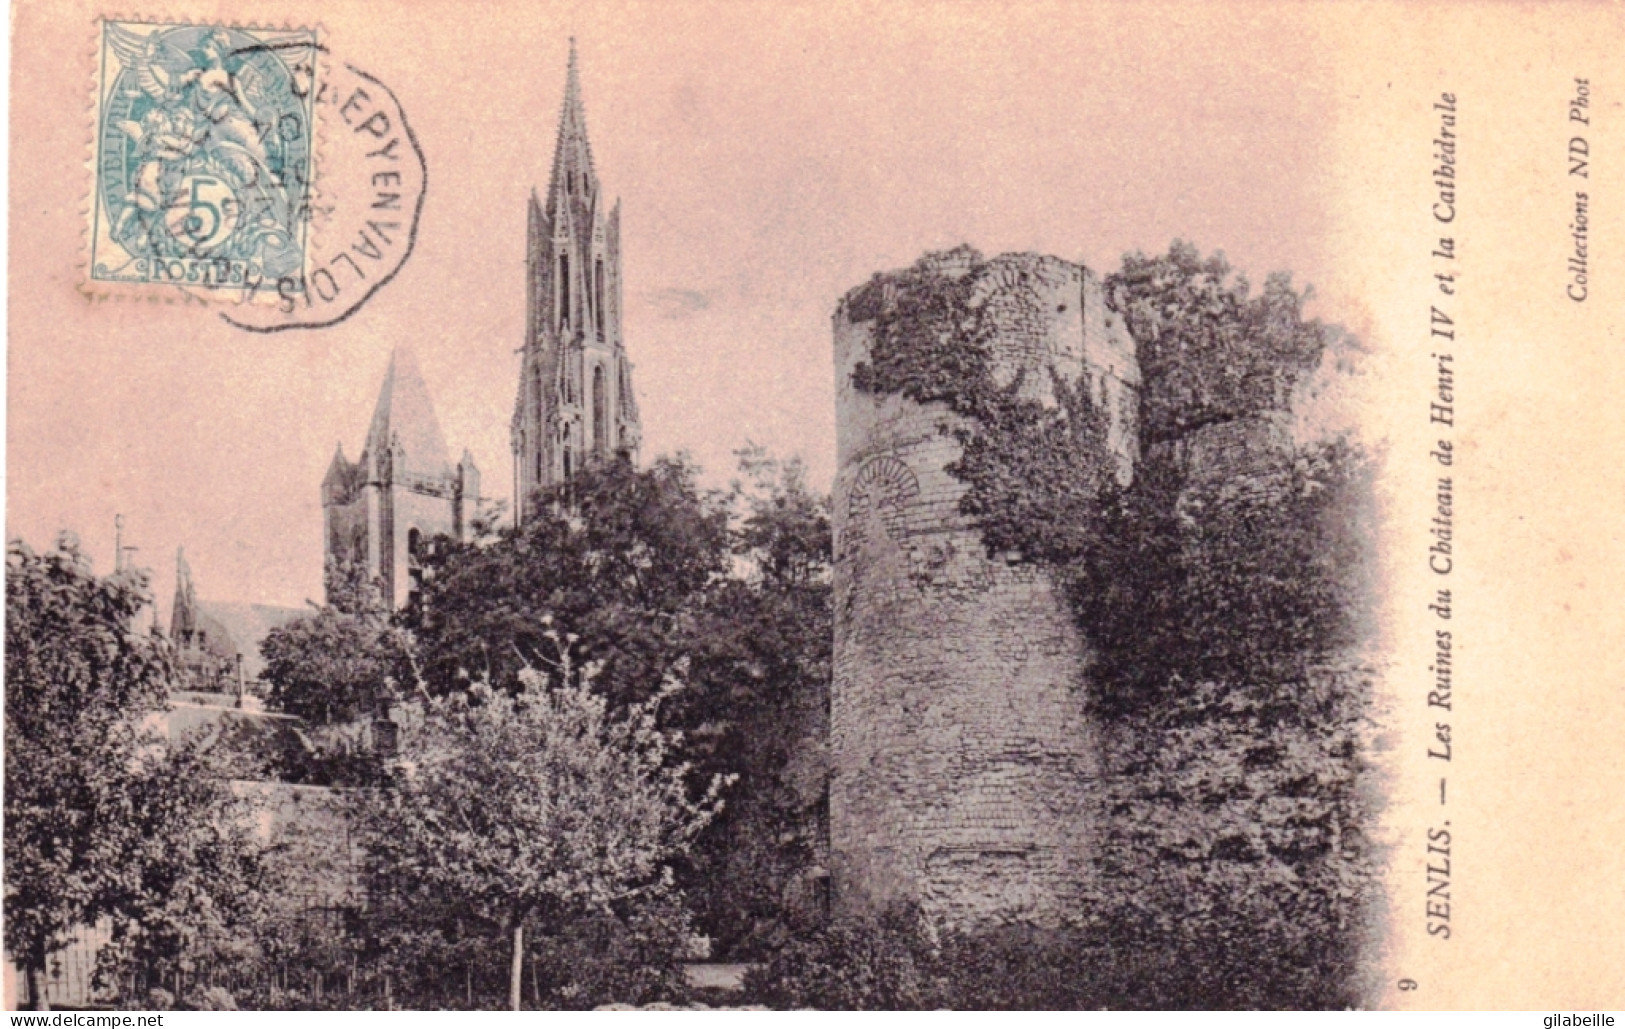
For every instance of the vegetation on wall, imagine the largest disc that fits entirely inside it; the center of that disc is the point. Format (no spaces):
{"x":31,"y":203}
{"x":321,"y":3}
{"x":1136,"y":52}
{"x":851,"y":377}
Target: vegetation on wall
{"x":1222,"y":614}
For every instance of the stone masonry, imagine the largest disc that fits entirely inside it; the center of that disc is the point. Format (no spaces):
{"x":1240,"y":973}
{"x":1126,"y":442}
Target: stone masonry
{"x":962,"y":756}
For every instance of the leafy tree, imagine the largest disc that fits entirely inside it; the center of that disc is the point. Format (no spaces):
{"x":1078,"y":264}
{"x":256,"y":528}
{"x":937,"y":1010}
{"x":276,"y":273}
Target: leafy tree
{"x":1209,"y":348}
{"x":352,"y":590}
{"x":102,"y":819}
{"x":195,"y":887}
{"x":79,"y":678}
{"x":760,"y":707}
{"x":535,"y":806}
{"x":652,"y":572}
{"x":785,"y":532}
{"x":341,"y":662}
{"x":618,"y":554}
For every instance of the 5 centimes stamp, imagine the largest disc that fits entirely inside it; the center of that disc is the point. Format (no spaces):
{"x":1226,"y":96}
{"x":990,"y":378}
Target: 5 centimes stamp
{"x":204,"y":156}
{"x":251,"y":168}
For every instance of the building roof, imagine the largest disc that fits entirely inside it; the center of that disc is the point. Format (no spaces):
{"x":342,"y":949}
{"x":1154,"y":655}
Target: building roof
{"x":404,"y":412}
{"x":240,"y":628}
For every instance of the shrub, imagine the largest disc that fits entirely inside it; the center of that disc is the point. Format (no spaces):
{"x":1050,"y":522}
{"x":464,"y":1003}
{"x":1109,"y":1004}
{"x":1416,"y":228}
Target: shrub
{"x":605,"y":957}
{"x":853,"y":964}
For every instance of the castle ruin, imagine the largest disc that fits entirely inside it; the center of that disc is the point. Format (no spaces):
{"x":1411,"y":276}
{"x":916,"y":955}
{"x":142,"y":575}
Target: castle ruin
{"x":961,"y":753}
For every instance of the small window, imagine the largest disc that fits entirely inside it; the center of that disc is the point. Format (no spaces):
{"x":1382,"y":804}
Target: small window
{"x":598,"y":295}
{"x":564,"y":289}
{"x":600,"y":414}
{"x":414,"y":567}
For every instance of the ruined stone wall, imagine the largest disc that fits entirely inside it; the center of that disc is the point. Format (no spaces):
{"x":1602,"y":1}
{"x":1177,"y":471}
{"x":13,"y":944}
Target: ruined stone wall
{"x":961,"y":754}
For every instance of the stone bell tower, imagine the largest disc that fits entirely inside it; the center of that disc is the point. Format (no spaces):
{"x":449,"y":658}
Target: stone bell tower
{"x":382,"y":510}
{"x":575,"y":403}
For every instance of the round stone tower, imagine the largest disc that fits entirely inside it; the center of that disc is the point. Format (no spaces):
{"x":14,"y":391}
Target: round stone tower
{"x":963,"y":760}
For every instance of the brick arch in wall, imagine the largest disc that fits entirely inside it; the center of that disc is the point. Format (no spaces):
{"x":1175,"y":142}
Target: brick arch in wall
{"x":882,"y":490}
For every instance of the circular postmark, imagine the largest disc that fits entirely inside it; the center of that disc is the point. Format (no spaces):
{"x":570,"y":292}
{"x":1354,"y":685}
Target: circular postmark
{"x":362,"y":211}
{"x":250,"y":168}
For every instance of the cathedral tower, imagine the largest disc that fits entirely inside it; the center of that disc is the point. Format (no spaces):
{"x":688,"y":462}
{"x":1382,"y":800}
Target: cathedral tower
{"x":381,"y":510}
{"x":575,"y":403}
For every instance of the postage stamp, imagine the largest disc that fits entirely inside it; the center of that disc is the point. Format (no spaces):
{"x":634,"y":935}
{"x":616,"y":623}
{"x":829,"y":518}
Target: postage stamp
{"x":204,"y":155}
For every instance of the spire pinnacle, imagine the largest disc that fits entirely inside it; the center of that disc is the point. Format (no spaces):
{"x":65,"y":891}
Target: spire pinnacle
{"x":572,"y":155}
{"x":183,"y":615}
{"x":572,"y":80}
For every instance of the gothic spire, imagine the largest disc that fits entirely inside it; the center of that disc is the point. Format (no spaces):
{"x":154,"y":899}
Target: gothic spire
{"x":405,"y":414}
{"x":183,"y":616}
{"x":573,"y":173}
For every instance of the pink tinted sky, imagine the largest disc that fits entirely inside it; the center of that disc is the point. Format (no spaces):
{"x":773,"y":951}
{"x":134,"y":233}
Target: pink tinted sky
{"x":768,"y":157}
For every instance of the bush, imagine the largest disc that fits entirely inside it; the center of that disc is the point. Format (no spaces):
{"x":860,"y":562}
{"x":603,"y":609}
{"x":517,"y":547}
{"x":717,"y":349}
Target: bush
{"x":1024,"y":968}
{"x":856,"y":964}
{"x":609,"y":958}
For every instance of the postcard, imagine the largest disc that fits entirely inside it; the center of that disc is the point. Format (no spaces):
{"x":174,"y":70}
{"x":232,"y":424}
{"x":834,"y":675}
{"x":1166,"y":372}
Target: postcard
{"x":997,"y":505}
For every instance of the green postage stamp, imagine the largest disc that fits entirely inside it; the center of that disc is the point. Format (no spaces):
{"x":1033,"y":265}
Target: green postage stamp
{"x":204,"y":156}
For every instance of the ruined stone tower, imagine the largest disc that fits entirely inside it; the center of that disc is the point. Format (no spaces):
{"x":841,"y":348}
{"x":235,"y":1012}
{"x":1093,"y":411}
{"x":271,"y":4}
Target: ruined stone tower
{"x":962,"y":758}
{"x":380,"y":510}
{"x":575,"y":403}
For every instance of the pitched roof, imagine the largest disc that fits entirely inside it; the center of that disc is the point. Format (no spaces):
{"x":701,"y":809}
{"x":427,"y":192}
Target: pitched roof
{"x":244,"y":627}
{"x":404,"y":411}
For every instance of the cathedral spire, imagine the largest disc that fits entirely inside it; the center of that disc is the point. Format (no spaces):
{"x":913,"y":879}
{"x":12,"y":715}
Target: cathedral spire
{"x":574,"y":406}
{"x":405,"y":415}
{"x":183,"y":616}
{"x":573,"y":174}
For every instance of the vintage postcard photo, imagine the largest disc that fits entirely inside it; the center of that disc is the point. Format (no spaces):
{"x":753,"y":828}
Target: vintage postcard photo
{"x":929,"y":505}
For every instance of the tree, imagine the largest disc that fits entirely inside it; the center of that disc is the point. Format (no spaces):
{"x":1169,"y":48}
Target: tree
{"x":195,"y":884}
{"x":341,"y":662}
{"x":1209,"y":348}
{"x":79,"y":677}
{"x":650,"y":572}
{"x":533,"y":805}
{"x":759,"y":707}
{"x":618,"y":554}
{"x":102,"y":819}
